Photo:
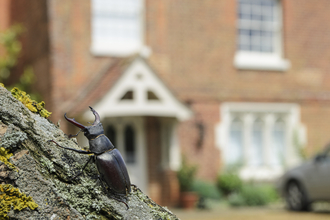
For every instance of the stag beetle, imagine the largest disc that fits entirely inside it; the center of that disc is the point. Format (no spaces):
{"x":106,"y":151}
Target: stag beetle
{"x":107,"y":158}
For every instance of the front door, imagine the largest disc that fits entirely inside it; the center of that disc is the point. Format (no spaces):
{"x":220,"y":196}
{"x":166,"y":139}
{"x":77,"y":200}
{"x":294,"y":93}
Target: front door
{"x":127,"y":135}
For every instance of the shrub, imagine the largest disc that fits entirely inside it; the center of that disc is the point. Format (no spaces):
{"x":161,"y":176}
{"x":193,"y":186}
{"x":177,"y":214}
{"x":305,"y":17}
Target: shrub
{"x":236,"y":200}
{"x":206,"y":190}
{"x":251,"y":195}
{"x":186,"y":175}
{"x":229,"y":183}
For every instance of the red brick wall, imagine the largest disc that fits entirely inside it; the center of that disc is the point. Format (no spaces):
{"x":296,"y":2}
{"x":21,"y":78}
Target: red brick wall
{"x":4,"y":19}
{"x":206,"y":156}
{"x":163,"y":185}
{"x":315,"y":117}
{"x":73,"y":65}
{"x":153,"y":142}
{"x":4,"y":14}
{"x":194,"y":44}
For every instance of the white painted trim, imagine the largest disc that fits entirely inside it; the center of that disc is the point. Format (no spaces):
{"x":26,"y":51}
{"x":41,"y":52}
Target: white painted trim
{"x":139,"y":78}
{"x":268,"y":110}
{"x":260,"y":61}
{"x":171,"y":153}
{"x":249,"y":60}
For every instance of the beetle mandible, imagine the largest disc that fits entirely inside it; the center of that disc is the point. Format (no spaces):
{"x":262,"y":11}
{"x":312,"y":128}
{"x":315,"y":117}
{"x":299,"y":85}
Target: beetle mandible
{"x":107,"y":158}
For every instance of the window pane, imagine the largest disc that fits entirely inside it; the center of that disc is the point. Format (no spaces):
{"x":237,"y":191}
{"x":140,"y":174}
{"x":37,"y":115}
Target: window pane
{"x":244,"y":39}
{"x":257,"y":17}
{"x":116,"y":24}
{"x":256,"y":157}
{"x":235,"y":152}
{"x":130,"y":149}
{"x":277,"y":149}
{"x":266,"y":42}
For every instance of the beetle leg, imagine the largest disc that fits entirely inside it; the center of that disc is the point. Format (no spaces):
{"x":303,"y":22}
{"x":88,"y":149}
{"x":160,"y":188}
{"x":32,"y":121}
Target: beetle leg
{"x":112,"y":197}
{"x":100,"y":179}
{"x":127,"y":207}
{"x":74,"y":135}
{"x":78,"y":151}
{"x":78,"y":174}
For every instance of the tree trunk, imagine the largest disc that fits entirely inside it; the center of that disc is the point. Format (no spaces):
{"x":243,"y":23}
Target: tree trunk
{"x":43,"y":171}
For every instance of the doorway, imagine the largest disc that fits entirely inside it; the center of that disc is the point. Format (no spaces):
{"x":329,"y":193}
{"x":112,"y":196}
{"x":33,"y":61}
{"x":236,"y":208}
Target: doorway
{"x":127,"y":134}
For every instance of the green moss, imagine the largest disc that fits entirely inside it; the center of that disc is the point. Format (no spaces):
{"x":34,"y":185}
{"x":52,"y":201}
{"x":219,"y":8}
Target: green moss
{"x":12,"y":197}
{"x":4,"y":156}
{"x":32,"y":105}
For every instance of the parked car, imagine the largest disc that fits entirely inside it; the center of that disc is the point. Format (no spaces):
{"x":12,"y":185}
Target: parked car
{"x":307,"y":183}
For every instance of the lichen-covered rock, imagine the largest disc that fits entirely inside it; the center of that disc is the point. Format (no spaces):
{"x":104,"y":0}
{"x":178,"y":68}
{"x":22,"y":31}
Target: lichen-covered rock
{"x":32,"y":105}
{"x":43,"y":171}
{"x":11,"y":197}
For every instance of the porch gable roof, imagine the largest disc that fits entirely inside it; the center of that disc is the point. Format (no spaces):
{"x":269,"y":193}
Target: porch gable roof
{"x":136,"y":91}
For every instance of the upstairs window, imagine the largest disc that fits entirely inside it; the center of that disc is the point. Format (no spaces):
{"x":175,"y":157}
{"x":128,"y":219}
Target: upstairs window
{"x":258,"y":25}
{"x":259,"y":35}
{"x":116,"y":27}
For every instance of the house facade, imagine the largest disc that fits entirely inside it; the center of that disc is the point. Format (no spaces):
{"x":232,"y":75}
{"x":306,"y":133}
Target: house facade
{"x":241,"y":83}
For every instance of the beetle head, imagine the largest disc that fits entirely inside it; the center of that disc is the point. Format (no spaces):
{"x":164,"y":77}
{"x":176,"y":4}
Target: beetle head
{"x":92,"y":131}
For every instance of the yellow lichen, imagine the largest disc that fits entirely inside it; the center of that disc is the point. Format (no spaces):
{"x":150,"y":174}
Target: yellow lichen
{"x":33,"y":105}
{"x":12,"y":197}
{"x":2,"y":85}
{"x":4,"y":156}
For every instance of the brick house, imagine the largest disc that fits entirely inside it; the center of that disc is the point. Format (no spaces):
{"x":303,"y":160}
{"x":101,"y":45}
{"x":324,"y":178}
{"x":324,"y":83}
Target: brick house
{"x":225,"y":83}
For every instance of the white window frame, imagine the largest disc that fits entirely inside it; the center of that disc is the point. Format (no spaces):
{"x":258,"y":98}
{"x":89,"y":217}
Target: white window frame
{"x":268,"y":113}
{"x":255,"y":60}
{"x":112,"y":45}
{"x":170,"y":149}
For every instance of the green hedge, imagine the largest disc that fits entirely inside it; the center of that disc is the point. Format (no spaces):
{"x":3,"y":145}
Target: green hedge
{"x":206,"y":190}
{"x":253,"y":195}
{"x":229,"y":183}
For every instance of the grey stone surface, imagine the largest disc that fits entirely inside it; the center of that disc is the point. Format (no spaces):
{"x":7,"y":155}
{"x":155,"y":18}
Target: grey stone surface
{"x":44,"y":172}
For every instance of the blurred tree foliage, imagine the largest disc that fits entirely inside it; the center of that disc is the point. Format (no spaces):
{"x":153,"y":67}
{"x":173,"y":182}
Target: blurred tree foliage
{"x":10,"y":49}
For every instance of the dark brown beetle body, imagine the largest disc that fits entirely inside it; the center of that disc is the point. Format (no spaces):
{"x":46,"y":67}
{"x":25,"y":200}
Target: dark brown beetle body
{"x":112,"y":172}
{"x":108,"y":160}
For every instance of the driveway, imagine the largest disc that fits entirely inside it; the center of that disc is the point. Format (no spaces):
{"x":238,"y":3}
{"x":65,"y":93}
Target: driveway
{"x":251,"y":214}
